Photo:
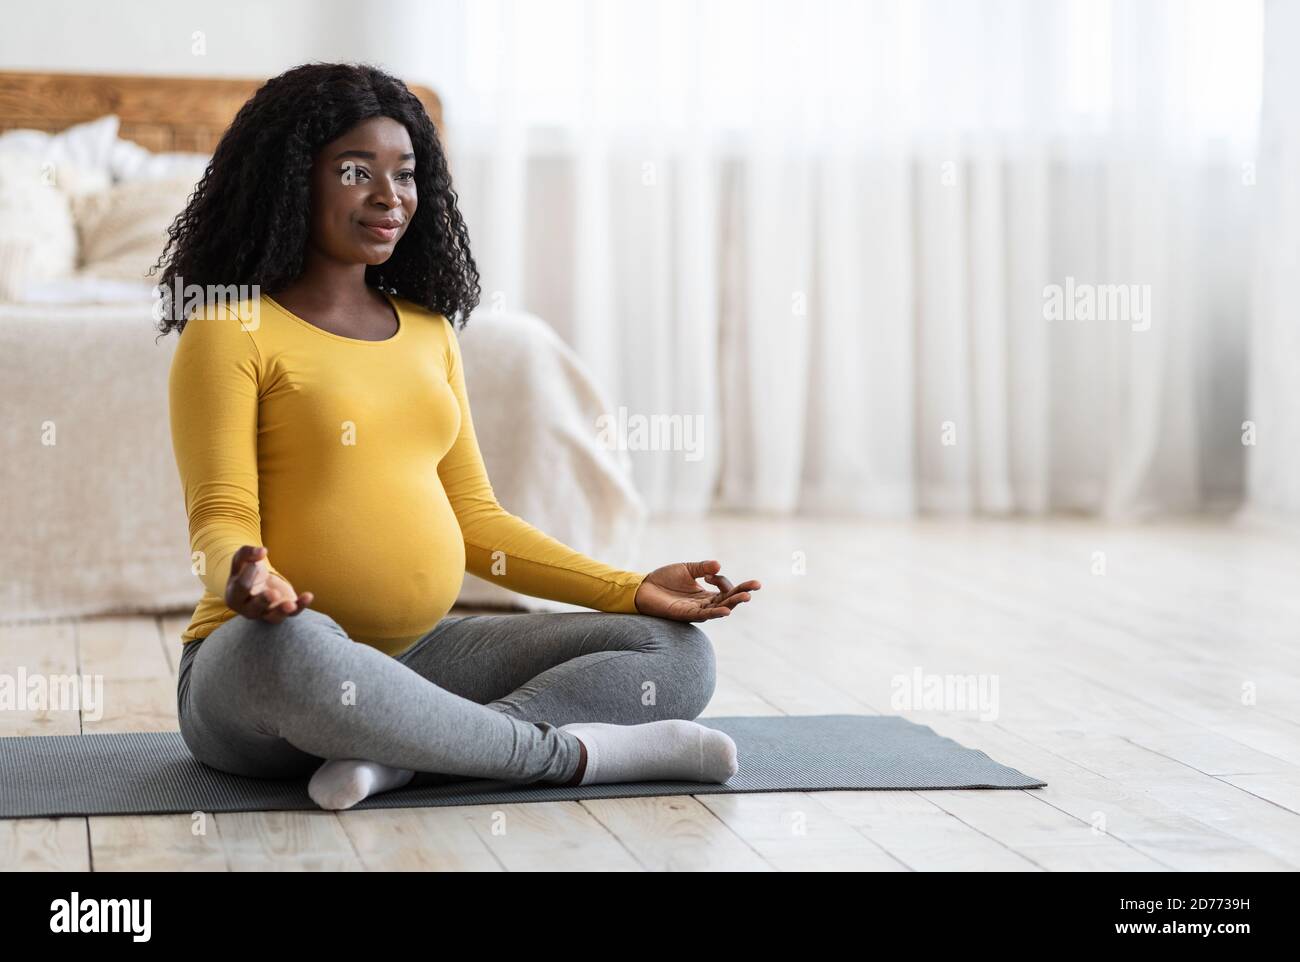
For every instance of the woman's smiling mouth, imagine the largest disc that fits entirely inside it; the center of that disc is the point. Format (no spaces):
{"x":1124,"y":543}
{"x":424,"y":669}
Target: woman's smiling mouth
{"x":384,"y":230}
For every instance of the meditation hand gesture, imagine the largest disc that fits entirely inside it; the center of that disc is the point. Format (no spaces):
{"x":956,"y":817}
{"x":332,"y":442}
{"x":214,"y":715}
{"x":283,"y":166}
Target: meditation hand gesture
{"x":672,"y":592}
{"x":256,"y":592}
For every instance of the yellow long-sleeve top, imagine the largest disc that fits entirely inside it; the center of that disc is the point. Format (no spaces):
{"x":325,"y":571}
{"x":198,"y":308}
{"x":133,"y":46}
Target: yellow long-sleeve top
{"x":355,"y":463}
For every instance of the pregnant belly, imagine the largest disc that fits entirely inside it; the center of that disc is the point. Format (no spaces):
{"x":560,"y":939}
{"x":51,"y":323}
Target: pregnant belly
{"x":383,"y":567}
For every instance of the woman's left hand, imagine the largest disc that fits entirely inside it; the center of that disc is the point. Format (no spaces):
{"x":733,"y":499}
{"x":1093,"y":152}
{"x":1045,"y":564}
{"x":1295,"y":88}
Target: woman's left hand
{"x":672,"y":592}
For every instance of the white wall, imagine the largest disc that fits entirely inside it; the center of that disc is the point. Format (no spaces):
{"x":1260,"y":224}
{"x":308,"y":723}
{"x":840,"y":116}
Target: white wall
{"x":243,"y":38}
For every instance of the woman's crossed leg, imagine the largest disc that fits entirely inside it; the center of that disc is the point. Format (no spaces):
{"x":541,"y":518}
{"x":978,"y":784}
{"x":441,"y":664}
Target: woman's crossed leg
{"x":479,"y":696}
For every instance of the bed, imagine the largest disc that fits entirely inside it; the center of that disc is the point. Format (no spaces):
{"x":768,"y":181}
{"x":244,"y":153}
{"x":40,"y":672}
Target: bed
{"x":90,"y":502}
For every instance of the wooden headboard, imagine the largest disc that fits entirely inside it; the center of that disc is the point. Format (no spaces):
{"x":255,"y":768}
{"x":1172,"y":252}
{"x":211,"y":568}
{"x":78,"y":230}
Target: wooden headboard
{"x":160,"y":113}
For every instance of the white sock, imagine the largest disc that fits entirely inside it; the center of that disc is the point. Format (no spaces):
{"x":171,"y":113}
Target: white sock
{"x":341,"y":783}
{"x":670,"y":750}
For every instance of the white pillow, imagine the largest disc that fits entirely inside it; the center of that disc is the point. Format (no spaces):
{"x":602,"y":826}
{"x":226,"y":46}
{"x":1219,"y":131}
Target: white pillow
{"x":38,"y":238}
{"x":131,"y":162}
{"x":122,"y":230}
{"x":87,"y":148}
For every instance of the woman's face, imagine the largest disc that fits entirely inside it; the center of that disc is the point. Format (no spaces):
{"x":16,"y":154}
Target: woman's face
{"x":363,"y":192}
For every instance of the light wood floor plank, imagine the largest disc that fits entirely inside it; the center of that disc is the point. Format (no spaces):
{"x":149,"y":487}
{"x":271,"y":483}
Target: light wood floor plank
{"x":545,"y":836}
{"x":675,"y":833}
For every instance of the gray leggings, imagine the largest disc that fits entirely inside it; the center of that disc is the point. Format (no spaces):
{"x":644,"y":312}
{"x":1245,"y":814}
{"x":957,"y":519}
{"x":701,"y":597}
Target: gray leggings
{"x":478,"y":696}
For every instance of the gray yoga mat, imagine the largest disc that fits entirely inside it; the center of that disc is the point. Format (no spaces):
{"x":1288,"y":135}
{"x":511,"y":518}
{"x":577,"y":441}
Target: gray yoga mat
{"x":154,"y":772}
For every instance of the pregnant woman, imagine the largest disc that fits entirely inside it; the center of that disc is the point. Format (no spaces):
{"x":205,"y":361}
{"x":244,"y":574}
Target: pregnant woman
{"x":336,"y":494}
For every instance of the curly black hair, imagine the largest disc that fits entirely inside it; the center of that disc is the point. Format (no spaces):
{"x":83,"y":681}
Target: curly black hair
{"x":247,"y":221}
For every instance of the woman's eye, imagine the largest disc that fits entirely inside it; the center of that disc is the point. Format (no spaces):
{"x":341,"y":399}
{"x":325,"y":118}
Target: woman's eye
{"x":354,"y":174}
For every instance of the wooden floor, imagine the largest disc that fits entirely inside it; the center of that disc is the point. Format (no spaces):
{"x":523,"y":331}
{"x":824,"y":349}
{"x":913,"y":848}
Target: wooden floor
{"x":1149,"y":674}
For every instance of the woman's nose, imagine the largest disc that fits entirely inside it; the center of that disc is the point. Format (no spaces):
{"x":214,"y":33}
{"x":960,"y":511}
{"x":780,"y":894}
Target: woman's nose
{"x":386,"y":195}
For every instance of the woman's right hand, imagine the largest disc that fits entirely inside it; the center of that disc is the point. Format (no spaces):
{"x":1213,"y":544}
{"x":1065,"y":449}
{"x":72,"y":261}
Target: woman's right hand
{"x":256,"y":592}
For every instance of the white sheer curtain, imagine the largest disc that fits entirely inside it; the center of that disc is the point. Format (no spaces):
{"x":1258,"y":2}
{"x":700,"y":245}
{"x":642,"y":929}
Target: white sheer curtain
{"x":1274,"y":412}
{"x":825,"y":233}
